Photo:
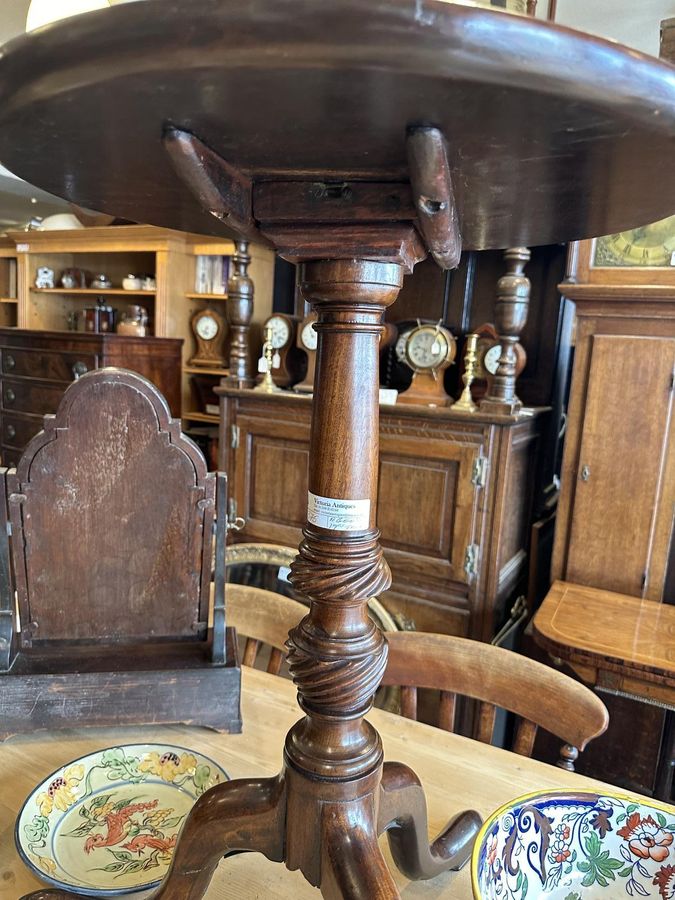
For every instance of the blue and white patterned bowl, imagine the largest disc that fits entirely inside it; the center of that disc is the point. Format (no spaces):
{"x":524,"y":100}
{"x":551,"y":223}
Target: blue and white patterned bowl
{"x":564,"y":845}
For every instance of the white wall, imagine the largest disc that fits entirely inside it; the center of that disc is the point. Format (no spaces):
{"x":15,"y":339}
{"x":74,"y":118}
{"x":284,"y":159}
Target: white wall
{"x":632,"y":22}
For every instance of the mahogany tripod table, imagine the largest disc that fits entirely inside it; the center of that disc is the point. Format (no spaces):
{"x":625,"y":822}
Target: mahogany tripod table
{"x":355,"y":137}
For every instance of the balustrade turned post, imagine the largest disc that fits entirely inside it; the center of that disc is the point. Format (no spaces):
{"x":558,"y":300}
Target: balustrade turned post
{"x":239,"y":312}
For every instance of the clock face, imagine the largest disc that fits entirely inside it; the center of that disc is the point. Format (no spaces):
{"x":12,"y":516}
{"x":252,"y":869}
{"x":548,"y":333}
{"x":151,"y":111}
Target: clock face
{"x":491,"y":359}
{"x":399,"y":349}
{"x":652,"y":245}
{"x":207,"y":327}
{"x":281,"y":331}
{"x":427,"y":347}
{"x":308,"y":336}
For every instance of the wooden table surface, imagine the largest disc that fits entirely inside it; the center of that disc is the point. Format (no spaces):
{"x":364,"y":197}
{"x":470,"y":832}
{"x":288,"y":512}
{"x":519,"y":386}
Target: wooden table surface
{"x":612,"y":640}
{"x":456,"y":772}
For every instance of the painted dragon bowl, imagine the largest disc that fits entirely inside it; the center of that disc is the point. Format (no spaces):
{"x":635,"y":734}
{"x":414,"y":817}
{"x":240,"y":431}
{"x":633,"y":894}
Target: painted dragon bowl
{"x":567,"y":845}
{"x":107,"y":824}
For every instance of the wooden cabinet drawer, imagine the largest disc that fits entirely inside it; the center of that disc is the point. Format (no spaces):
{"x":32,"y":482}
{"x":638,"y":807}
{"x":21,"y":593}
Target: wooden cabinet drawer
{"x":18,"y":430}
{"x":45,"y":364}
{"x":35,"y":397}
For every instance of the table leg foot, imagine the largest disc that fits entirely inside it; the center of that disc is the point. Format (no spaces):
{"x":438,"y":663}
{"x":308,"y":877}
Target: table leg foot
{"x":403,"y":815}
{"x":352,"y":864}
{"x":247,"y":814}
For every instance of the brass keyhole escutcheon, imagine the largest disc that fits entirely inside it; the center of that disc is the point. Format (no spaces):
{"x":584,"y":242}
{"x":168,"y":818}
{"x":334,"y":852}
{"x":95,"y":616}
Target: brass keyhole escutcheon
{"x":585,"y":473}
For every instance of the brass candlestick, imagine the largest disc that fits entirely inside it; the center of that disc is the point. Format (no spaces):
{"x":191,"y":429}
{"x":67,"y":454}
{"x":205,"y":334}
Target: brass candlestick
{"x":267,"y":385}
{"x":465,"y":402}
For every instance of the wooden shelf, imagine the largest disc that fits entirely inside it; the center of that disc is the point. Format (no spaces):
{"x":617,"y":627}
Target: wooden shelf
{"x":201,"y":417}
{"x":204,"y":370}
{"x":194,"y":295}
{"x":9,"y":300}
{"x":118,"y":292}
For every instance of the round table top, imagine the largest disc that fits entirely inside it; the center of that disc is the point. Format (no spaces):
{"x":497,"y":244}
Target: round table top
{"x":552,"y":135}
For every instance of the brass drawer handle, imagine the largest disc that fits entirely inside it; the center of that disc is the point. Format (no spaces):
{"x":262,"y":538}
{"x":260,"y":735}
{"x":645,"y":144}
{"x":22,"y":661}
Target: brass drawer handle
{"x":11,"y":431}
{"x":79,"y":369}
{"x":10,"y":396}
{"x":10,"y":362}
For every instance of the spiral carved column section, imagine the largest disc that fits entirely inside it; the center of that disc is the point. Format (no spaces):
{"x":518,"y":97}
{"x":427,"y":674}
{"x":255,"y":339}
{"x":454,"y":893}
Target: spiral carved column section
{"x":337,"y":655}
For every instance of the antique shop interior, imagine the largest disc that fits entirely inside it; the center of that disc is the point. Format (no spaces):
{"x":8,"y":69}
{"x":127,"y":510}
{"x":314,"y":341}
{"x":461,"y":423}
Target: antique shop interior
{"x":337,"y":364}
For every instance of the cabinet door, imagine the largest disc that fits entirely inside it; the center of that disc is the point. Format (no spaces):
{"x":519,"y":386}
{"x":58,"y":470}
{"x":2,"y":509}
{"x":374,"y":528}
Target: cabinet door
{"x":270,"y":486}
{"x":426,"y":507}
{"x":623,"y":499}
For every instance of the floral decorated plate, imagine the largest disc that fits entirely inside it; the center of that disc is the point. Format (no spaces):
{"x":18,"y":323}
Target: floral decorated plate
{"x":106,"y":824}
{"x":576,"y":846}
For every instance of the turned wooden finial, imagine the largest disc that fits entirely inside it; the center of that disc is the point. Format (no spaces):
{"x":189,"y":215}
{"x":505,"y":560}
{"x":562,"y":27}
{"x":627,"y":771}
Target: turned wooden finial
{"x":239,"y":313}
{"x":513,"y":300}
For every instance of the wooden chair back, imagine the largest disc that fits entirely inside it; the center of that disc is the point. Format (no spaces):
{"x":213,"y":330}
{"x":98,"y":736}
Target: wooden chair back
{"x":112,"y":511}
{"x":264,"y":619}
{"x":538,"y":695}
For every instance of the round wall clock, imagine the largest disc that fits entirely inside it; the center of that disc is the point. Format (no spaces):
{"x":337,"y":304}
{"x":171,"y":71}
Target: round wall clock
{"x":208,"y":327}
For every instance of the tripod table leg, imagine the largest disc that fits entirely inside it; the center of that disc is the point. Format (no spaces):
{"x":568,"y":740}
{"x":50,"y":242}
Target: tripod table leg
{"x":403,"y":815}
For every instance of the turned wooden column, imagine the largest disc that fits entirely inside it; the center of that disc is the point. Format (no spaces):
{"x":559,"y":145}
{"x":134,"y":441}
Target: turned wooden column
{"x":239,"y":312}
{"x":513,"y":300}
{"x":337,"y":655}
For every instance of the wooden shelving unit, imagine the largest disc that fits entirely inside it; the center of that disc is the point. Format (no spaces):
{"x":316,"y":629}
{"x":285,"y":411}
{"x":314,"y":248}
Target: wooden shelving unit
{"x":118,"y":251}
{"x":8,"y":304}
{"x":98,"y":292}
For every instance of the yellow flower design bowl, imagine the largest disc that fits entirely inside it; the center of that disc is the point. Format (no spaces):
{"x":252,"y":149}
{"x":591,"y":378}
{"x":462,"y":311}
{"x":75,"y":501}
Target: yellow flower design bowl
{"x":106,"y":825}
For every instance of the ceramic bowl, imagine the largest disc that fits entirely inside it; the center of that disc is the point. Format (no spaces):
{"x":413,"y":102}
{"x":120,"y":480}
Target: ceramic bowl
{"x":106,"y":824}
{"x":576,"y":846}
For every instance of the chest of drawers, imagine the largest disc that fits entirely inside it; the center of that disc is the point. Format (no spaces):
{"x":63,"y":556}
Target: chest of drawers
{"x":37,"y":366}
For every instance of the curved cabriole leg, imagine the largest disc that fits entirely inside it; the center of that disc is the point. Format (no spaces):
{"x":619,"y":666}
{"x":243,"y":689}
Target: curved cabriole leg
{"x":403,"y":815}
{"x":241,"y":815}
{"x":352,"y":864}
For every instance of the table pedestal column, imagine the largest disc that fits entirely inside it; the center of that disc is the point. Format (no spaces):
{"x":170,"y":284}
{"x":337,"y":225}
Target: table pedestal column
{"x":334,"y":797}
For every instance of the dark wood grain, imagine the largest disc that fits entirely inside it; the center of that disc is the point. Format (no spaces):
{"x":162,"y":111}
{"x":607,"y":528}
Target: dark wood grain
{"x":429,"y":510}
{"x":535,"y":118}
{"x":111,"y":511}
{"x":552,"y":144}
{"x":37,"y":366}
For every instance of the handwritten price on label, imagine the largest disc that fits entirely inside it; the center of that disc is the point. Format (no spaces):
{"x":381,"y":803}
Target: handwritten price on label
{"x":336,"y":514}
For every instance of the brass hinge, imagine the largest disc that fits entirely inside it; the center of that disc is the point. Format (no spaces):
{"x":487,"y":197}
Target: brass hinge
{"x":471,"y":561}
{"x":234,"y":522}
{"x":234,"y":436}
{"x":479,"y":472}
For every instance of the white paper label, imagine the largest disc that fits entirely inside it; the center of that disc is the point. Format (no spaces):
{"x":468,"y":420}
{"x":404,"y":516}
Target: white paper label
{"x":338,"y":515}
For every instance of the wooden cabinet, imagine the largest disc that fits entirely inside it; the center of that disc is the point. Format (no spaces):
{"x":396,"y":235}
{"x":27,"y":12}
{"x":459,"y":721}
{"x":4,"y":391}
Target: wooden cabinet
{"x":170,"y":256}
{"x":616,"y":514}
{"x":453,"y":504}
{"x":615,"y":517}
{"x":37,"y":366}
